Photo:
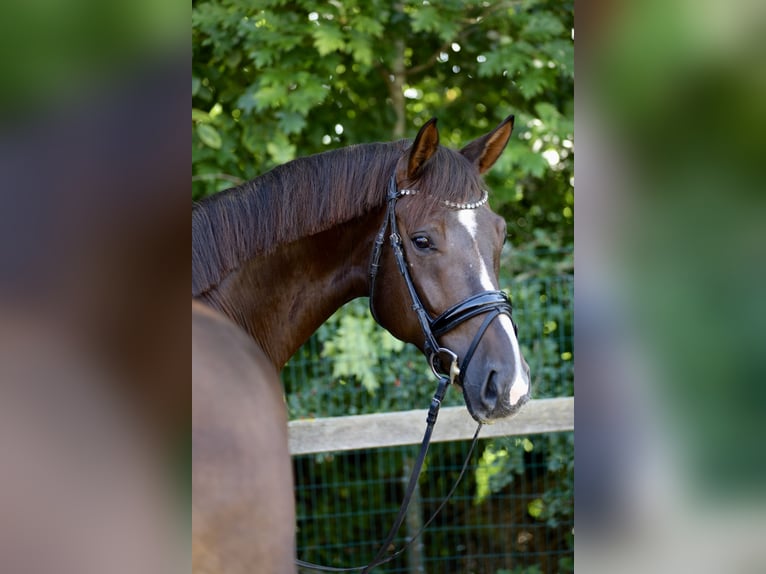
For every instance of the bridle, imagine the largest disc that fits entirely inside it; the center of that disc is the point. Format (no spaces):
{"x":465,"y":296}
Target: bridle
{"x":491,"y":303}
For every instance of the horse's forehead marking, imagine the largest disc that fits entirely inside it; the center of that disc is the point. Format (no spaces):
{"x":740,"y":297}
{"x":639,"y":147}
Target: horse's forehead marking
{"x":469,"y":220}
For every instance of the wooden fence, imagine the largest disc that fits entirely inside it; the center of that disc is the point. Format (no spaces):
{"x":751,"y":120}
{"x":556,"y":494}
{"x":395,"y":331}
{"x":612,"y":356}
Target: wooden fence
{"x":402,"y":428}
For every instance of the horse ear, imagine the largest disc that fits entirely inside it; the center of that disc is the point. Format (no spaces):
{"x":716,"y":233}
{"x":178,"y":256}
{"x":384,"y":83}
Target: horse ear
{"x":423,"y":147}
{"x":484,"y":151}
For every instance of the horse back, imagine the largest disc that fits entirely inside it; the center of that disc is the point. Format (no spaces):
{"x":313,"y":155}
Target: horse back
{"x":243,"y":505}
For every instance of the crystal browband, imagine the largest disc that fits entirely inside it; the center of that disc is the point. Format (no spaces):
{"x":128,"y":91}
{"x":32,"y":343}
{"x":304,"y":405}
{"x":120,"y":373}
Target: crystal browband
{"x":452,"y":204}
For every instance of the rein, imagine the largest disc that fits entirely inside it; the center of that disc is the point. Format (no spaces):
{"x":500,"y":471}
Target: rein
{"x":491,"y":303}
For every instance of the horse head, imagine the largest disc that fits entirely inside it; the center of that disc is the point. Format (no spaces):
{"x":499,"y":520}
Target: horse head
{"x":441,"y":292}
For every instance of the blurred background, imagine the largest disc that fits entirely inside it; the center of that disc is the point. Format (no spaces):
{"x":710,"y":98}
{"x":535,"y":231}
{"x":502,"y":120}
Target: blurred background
{"x":94,"y":399}
{"x":670,"y":271}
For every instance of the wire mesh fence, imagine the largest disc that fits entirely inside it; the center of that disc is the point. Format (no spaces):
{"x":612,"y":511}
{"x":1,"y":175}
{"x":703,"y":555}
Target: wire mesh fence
{"x":513,"y":511}
{"x":347,"y":502}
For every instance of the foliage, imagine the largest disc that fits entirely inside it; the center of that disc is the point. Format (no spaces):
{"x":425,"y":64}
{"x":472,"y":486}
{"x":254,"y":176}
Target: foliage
{"x":357,"y":344}
{"x":273,"y":80}
{"x":497,"y":467}
{"x":506,"y":458}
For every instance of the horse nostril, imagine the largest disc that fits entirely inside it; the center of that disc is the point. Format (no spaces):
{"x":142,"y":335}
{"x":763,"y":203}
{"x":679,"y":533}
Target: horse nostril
{"x":490,"y":391}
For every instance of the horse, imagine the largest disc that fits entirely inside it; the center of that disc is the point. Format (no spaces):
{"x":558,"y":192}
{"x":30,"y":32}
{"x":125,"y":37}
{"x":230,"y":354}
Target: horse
{"x":273,"y":258}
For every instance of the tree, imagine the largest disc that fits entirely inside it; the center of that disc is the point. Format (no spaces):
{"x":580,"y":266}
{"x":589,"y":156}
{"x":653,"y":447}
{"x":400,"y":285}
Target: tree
{"x":273,"y":80}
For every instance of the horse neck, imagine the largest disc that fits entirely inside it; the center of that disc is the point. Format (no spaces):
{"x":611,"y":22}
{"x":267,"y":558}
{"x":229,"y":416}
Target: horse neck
{"x":280,"y":254}
{"x":282,"y":297}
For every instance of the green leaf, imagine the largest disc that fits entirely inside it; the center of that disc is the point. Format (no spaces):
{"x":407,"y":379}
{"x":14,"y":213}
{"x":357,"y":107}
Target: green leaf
{"x":291,"y":122}
{"x":448,"y":30}
{"x":491,"y":464}
{"x":262,"y":58}
{"x":548,"y":113}
{"x":532,"y":83}
{"x":200,"y":116}
{"x":328,"y":39}
{"x":542,"y":25}
{"x":209,"y":136}
{"x":562,"y":53}
{"x":425,"y":18}
{"x":252,"y":141}
{"x":280,"y":149}
{"x":506,"y":59}
{"x":532,"y":163}
{"x":308,"y":93}
{"x":361,"y":49}
{"x":233,"y":58}
{"x":247,"y":101}
{"x":366,"y":25}
{"x":536,"y":507}
{"x":270,"y":96}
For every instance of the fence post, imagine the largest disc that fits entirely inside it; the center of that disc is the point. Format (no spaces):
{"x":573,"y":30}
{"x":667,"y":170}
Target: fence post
{"x":414,"y":519}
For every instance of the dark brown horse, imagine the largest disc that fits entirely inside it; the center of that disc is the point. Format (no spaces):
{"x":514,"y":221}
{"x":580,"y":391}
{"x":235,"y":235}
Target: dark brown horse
{"x":274,"y":258}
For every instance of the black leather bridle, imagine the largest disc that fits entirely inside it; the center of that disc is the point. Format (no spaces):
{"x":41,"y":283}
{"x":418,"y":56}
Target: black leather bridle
{"x":443,"y":361}
{"x":492,"y":303}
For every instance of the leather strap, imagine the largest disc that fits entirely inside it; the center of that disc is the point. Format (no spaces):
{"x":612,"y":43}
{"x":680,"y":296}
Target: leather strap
{"x":475,"y":305}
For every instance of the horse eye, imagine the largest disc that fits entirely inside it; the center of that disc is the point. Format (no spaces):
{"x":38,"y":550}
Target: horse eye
{"x":421,"y":242}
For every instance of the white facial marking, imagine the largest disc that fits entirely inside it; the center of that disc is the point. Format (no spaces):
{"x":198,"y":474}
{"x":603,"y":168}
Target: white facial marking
{"x":519,"y":385}
{"x":467,"y":218}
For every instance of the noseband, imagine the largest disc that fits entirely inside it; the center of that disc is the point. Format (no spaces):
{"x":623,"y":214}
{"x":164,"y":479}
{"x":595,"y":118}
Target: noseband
{"x":492,"y":303}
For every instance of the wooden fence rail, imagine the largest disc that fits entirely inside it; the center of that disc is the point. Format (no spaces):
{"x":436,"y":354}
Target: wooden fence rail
{"x":402,"y":428}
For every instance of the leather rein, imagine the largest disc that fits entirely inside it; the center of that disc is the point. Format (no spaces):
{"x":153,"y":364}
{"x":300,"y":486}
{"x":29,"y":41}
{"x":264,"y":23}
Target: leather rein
{"x":443,"y":361}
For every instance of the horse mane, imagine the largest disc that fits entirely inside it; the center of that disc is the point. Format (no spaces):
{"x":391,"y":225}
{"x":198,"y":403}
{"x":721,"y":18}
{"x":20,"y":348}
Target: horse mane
{"x":307,"y":196}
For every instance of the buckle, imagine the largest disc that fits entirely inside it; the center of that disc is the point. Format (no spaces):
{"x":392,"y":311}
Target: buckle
{"x":437,"y":360}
